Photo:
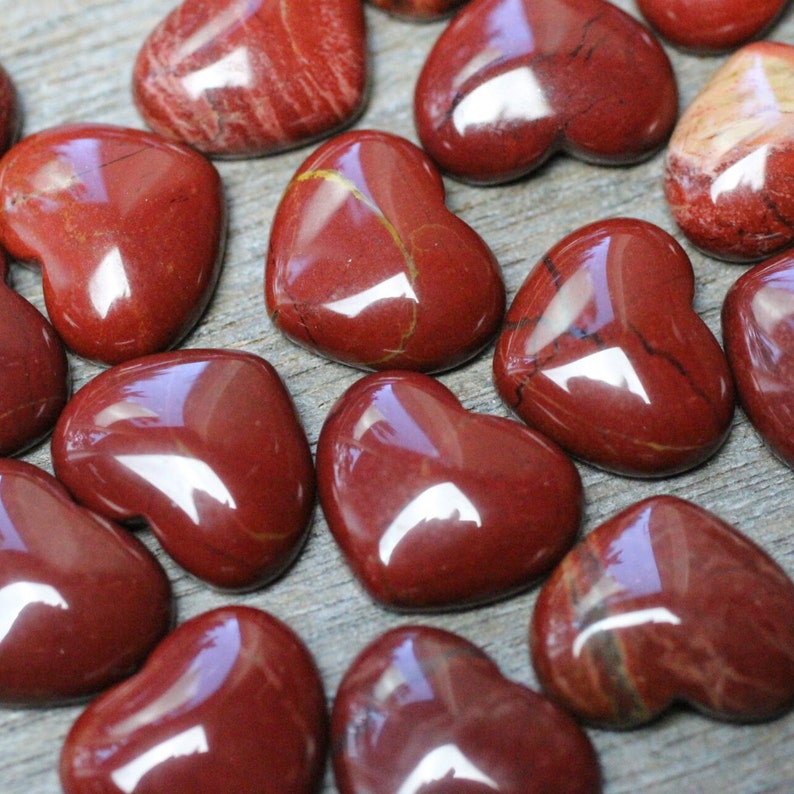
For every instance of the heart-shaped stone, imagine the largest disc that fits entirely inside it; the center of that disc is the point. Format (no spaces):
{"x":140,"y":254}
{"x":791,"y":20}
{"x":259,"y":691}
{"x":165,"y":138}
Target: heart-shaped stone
{"x":421,"y":10}
{"x":230,"y":702}
{"x":730,"y":161}
{"x":422,"y":709}
{"x":240,"y":78}
{"x":128,"y":230}
{"x":367,"y":266}
{"x":758,"y":332}
{"x":35,"y":383}
{"x":82,"y":602}
{"x":511,"y":82}
{"x":204,"y":446}
{"x":666,"y":603}
{"x":712,"y":26}
{"x":603,"y":352}
{"x":10,"y":112}
{"x":434,"y":506}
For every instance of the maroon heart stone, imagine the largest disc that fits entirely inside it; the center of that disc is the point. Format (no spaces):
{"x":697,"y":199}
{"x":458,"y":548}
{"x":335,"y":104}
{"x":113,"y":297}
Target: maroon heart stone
{"x":711,"y":26}
{"x":730,"y":161}
{"x":661,"y":604}
{"x":10,"y":112}
{"x":367,"y":266}
{"x":206,"y":447}
{"x":421,"y":10}
{"x":35,"y":383}
{"x":229,"y":702}
{"x":249,"y":78}
{"x":82,"y":602}
{"x":434,"y":506}
{"x":510,"y":82}
{"x":758,"y":332}
{"x":128,"y":230}
{"x":422,"y":709}
{"x":603,"y":352}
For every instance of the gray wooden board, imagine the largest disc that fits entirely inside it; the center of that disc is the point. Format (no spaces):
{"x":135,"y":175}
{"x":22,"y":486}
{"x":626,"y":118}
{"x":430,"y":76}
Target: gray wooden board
{"x":71,"y":61}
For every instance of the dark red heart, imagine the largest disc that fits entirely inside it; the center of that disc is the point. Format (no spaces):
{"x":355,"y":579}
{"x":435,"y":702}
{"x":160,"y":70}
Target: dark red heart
{"x":511,"y":82}
{"x":434,"y":506}
{"x":230,"y":702}
{"x":128,"y":230}
{"x":603,"y":352}
{"x":244,"y":79}
{"x":666,"y":603}
{"x":367,"y":266}
{"x":422,"y":10}
{"x":206,"y":447}
{"x":758,"y":332}
{"x":35,"y":383}
{"x":421,"y":709}
{"x":82,"y":602}
{"x":10,"y":111}
{"x":730,"y":161}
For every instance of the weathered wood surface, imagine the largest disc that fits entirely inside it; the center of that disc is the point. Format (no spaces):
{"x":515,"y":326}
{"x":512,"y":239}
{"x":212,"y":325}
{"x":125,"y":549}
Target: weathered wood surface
{"x":72,"y":60}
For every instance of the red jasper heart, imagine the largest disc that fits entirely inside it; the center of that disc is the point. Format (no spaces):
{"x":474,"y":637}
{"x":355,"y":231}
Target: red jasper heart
{"x":603,"y":352}
{"x":713,"y":26}
{"x":82,"y":602}
{"x":665,"y":603}
{"x":367,"y":266}
{"x":35,"y":383}
{"x":231,"y":701}
{"x":731,"y":158}
{"x":10,"y":112}
{"x":418,"y":9}
{"x":434,"y":506}
{"x":203,"y":445}
{"x":422,"y":709}
{"x":758,"y":331}
{"x":511,"y":82}
{"x":128,"y":230}
{"x":244,"y":79}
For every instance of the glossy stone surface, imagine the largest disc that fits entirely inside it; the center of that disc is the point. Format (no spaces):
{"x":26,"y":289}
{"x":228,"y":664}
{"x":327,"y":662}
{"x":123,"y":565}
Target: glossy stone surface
{"x":707,"y":26}
{"x":422,"y":709}
{"x":204,"y":446}
{"x":420,"y":10}
{"x":35,"y":383}
{"x":128,"y":230}
{"x":434,"y":506}
{"x":367,"y":266}
{"x":666,"y":603}
{"x":731,"y":158}
{"x":82,"y":602}
{"x":10,"y":112}
{"x":758,"y":333}
{"x":243,"y":79}
{"x":230,"y":702}
{"x":511,"y":82}
{"x":603,"y":352}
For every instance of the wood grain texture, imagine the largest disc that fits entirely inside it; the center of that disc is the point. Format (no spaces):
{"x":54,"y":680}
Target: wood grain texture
{"x":72,"y":61}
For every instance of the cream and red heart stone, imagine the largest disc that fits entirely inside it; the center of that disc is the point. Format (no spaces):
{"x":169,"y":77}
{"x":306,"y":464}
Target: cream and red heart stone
{"x":82,"y":602}
{"x":661,"y":604}
{"x":230,"y":701}
{"x":206,"y":447}
{"x":758,"y":333}
{"x":713,"y":26}
{"x":434,"y":506}
{"x":10,"y":111}
{"x":420,"y":10}
{"x":128,"y":230}
{"x":422,"y":709}
{"x":366,"y":265}
{"x":240,"y":79}
{"x":730,"y":161}
{"x":511,"y":82}
{"x":35,"y":383}
{"x":603,"y":352}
